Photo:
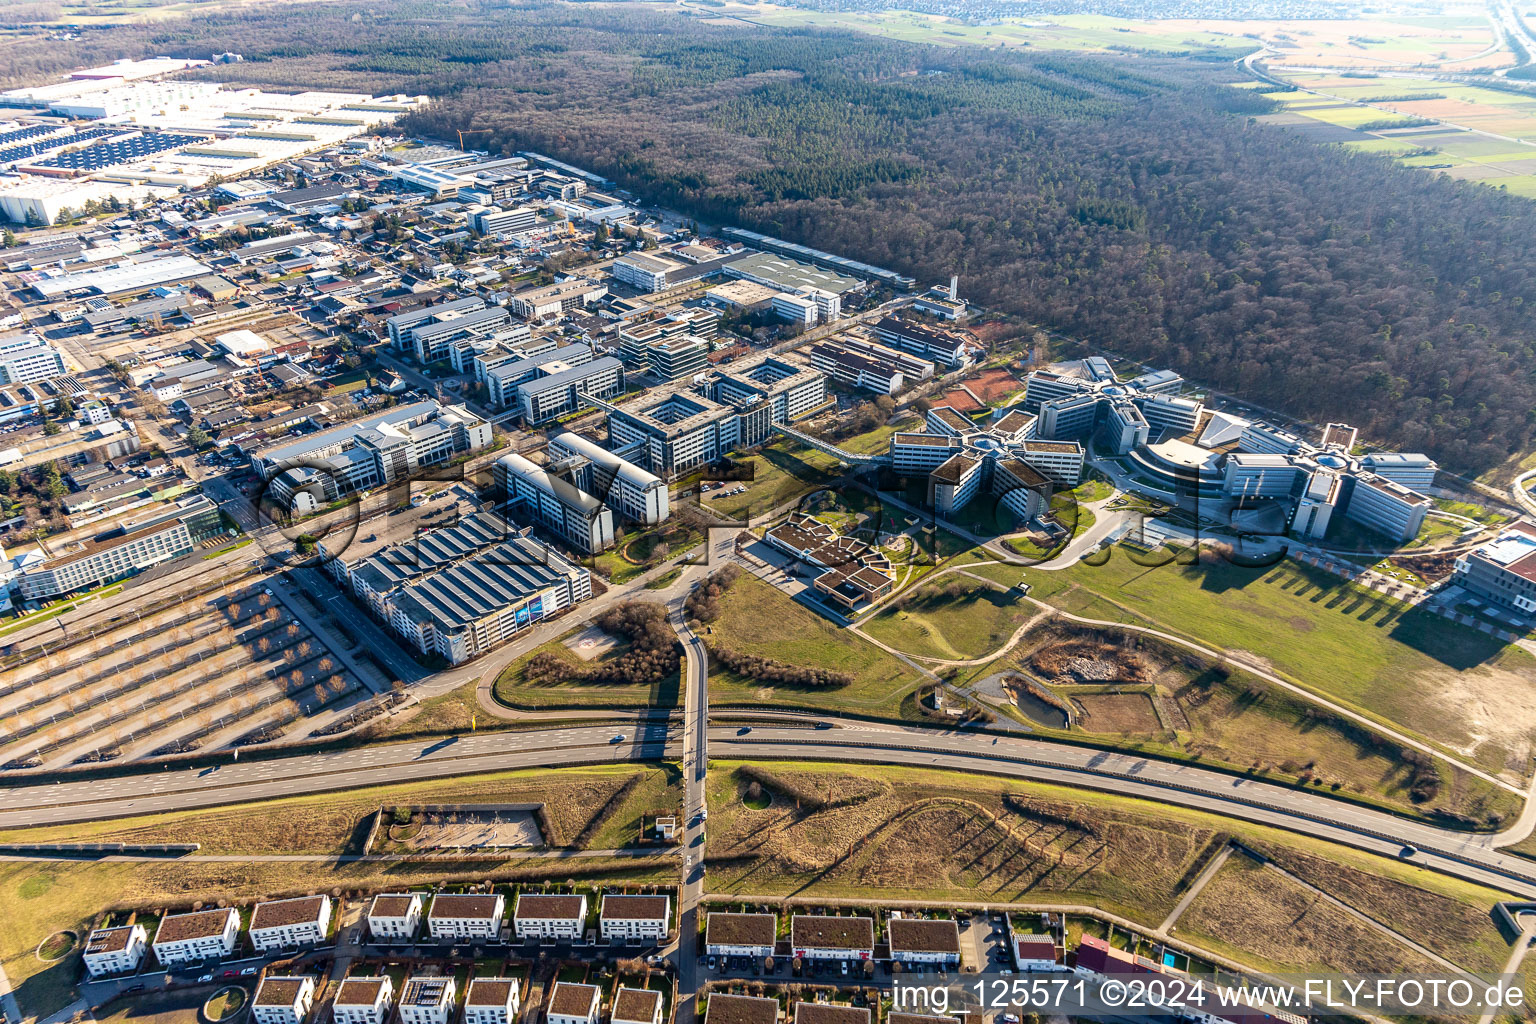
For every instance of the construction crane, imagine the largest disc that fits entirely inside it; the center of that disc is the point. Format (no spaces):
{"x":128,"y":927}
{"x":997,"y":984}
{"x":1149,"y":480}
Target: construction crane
{"x":471,"y":131}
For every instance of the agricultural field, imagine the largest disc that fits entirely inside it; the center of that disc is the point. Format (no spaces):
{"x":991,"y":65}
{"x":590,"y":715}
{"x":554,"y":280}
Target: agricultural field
{"x":1483,"y":135}
{"x":841,"y":831}
{"x":1448,"y":683}
{"x":1457,"y":34}
{"x":756,"y":618}
{"x":226,"y":667}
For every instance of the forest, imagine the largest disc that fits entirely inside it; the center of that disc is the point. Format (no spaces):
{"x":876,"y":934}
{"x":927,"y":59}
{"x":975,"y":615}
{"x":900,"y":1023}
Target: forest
{"x":1131,"y":202}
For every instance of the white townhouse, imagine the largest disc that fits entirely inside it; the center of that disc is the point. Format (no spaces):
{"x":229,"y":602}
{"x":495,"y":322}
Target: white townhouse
{"x":1035,"y":952}
{"x":570,"y":1003}
{"x":549,"y":917}
{"x":634,"y":919}
{"x":363,"y":1001}
{"x":740,"y":934}
{"x":200,"y":935}
{"x":289,"y":924}
{"x":813,"y":937}
{"x":916,"y":940}
{"x":394,"y":916}
{"x":491,"y":1001}
{"x":115,"y":950}
{"x":283,"y":999}
{"x":827,"y":1013}
{"x":636,"y":1006}
{"x":466,"y":916}
{"x":427,"y":1000}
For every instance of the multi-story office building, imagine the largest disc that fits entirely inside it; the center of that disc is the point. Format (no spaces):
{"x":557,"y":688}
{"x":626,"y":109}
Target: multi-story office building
{"x":114,"y":950}
{"x":678,"y":358}
{"x":483,"y":601}
{"x":362,"y":1000}
{"x":627,"y":489}
{"x":455,"y":916}
{"x":200,"y":935}
{"x":535,"y":495}
{"x":25,"y":358}
{"x":159,"y":535}
{"x":688,"y":425}
{"x":372,"y":451}
{"x":496,"y":222}
{"x":283,"y":999}
{"x":1389,"y":508}
{"x":289,"y":924}
{"x":1503,"y":570}
{"x":430,"y":342}
{"x":947,"y":348}
{"x":558,"y":390}
{"x":652,"y":327}
{"x":799,"y":310}
{"x":395,"y":916}
{"x":868,"y":365}
{"x":504,"y":376}
{"x":561,"y":297}
{"x":635,"y":918}
{"x":646,"y":272}
{"x":400,"y":326}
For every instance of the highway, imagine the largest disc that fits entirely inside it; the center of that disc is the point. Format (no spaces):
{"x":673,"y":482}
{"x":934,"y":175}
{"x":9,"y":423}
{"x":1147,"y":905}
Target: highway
{"x":1472,"y":857}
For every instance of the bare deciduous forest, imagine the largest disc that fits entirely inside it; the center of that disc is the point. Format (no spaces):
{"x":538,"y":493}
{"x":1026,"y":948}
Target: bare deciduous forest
{"x":1132,"y":202}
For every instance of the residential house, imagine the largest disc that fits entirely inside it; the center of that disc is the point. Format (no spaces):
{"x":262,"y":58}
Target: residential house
{"x":549,"y":918}
{"x":115,"y":950}
{"x":636,"y":1006}
{"x":570,"y":1003}
{"x":814,"y":937}
{"x":465,"y":916}
{"x":491,"y":1001}
{"x":1035,"y":952}
{"x":916,"y":940}
{"x":289,"y":924}
{"x":200,"y":935}
{"x":427,"y":1000}
{"x":635,"y":919}
{"x":395,"y":916}
{"x":724,"y":1009}
{"x":740,"y":934}
{"x":283,"y":999}
{"x":363,"y":1001}
{"x":826,"y":1013}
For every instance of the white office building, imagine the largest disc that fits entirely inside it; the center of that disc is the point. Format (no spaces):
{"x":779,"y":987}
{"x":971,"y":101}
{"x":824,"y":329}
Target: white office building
{"x":535,"y":495}
{"x":630,"y":491}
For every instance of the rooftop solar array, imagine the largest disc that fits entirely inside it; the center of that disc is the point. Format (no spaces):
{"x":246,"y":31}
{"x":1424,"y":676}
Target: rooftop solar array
{"x":120,"y":151}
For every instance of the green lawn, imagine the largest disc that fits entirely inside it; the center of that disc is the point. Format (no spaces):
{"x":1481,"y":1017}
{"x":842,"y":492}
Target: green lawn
{"x":933,"y":620}
{"x":756,"y":618}
{"x":783,"y":471}
{"x":1375,"y":654}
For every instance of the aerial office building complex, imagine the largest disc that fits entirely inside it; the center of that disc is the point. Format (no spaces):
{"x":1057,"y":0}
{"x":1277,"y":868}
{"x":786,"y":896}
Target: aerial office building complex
{"x":464,"y":590}
{"x":629,"y":490}
{"x":319,"y":468}
{"x":535,"y":494}
{"x":148,"y":539}
{"x":1182,"y":446}
{"x":686,"y":425}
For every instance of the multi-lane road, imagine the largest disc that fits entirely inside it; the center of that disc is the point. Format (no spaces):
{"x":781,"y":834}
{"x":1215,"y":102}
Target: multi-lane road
{"x":1473,"y":857}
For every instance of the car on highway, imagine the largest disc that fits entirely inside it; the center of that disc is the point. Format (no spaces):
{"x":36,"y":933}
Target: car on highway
{"x":618,"y":737}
